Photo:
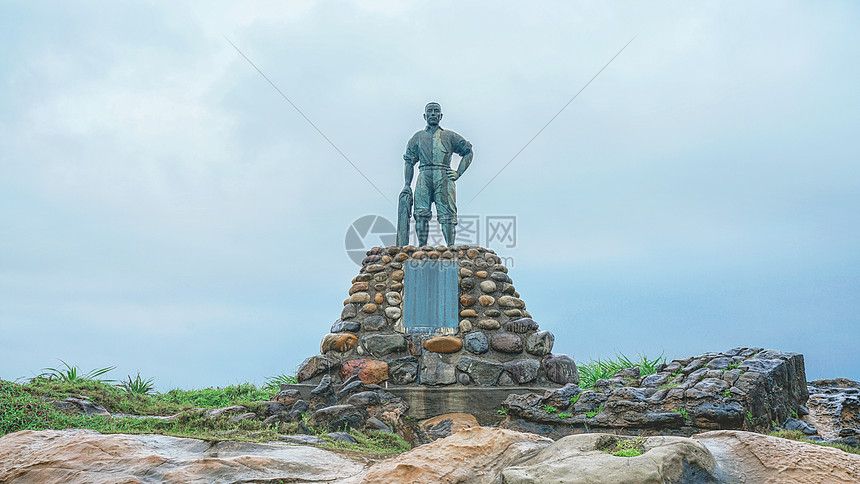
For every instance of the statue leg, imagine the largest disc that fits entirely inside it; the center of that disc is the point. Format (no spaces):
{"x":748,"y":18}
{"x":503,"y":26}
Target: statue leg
{"x":423,"y":199}
{"x":446,"y":206}
{"x":450,"y":231}
{"x":422,"y":228}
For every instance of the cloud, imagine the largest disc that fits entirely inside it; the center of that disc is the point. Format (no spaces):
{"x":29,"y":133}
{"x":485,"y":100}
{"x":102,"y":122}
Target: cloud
{"x":156,"y":188}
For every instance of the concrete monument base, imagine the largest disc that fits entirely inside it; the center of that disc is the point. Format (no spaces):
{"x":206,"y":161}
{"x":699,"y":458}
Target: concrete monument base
{"x":427,"y":402}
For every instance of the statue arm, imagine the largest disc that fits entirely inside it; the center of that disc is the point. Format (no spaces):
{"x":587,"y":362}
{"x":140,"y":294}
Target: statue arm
{"x":411,"y":158}
{"x":409,"y":172}
{"x":464,"y":163}
{"x":464,"y":149}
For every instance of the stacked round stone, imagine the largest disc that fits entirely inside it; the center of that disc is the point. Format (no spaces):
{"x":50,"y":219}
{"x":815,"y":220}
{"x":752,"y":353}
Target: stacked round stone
{"x":496,"y":343}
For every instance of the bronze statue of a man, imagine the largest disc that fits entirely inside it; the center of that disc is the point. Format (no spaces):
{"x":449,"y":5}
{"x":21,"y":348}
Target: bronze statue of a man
{"x":431,"y":148}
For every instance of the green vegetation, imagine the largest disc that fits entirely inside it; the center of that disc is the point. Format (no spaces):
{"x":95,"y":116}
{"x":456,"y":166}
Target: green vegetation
{"x":800,"y":437}
{"x":138,"y":386}
{"x":575,"y":398}
{"x":27,"y":407}
{"x":116,"y":399}
{"x":683,"y":412}
{"x":594,"y":413}
{"x":70,"y":373}
{"x":601,"y":369}
{"x":501,"y":411}
{"x":632,"y":447}
{"x":666,"y":386}
{"x":564,"y":415}
{"x":549,"y":409}
{"x":727,"y":393}
{"x":215,"y":397}
{"x":273,"y":383}
{"x":376,"y":443}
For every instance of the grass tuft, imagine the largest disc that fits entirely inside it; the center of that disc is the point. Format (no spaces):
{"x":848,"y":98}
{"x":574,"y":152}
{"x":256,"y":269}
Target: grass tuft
{"x":549,"y":409}
{"x":594,"y":413}
{"x":598,"y":369}
{"x":629,"y":447}
{"x":273,"y":383}
{"x":138,"y":386}
{"x":69,"y":373}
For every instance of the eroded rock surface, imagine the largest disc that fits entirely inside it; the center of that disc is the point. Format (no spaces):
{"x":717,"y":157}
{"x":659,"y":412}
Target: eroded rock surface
{"x":474,"y":455}
{"x":580,"y":459}
{"x":743,"y":388}
{"x":443,"y":426}
{"x":86,"y":456}
{"x":834,"y":410}
{"x":750,"y":458}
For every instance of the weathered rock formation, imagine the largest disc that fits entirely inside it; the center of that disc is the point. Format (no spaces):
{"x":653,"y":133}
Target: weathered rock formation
{"x":749,"y":457}
{"x":496,"y":343}
{"x":743,"y":388}
{"x":582,"y":459}
{"x":350,"y":405}
{"x":474,"y":455}
{"x":834,"y":411}
{"x":445,"y":425}
{"x":86,"y":456}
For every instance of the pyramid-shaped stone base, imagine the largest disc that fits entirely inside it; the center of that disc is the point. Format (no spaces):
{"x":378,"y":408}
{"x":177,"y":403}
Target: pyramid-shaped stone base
{"x":493,"y":343}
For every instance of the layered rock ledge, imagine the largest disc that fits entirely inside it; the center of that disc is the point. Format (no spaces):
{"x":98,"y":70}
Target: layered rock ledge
{"x":743,"y":388}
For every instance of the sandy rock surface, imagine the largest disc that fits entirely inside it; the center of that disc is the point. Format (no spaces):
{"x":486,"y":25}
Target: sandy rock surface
{"x":746,"y":457}
{"x":474,"y":455}
{"x":577,"y":459}
{"x":86,"y":456}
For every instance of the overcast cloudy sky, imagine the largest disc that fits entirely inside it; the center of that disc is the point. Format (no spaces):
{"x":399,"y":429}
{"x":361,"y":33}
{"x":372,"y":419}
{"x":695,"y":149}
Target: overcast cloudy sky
{"x":165,"y":210}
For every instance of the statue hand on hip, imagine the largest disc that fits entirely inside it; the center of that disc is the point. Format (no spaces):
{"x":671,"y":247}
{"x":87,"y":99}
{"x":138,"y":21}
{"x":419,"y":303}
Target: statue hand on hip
{"x":453,"y":175}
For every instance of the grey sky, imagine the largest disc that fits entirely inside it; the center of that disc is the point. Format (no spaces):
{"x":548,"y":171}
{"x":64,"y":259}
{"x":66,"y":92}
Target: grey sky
{"x":165,"y":211}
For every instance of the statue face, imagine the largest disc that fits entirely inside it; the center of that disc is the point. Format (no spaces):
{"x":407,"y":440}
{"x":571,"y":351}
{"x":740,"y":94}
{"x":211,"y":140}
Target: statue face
{"x":433,"y":114}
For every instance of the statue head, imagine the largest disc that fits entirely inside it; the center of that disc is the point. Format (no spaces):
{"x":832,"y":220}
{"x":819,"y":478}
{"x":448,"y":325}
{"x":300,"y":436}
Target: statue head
{"x":433,"y":114}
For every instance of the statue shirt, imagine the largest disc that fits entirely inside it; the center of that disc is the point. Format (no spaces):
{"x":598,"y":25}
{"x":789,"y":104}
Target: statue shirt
{"x":435,"y":149}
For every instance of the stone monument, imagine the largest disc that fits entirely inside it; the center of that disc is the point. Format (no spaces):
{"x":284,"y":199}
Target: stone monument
{"x":442,"y":327}
{"x":446,"y":318}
